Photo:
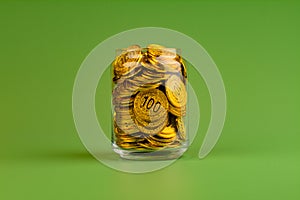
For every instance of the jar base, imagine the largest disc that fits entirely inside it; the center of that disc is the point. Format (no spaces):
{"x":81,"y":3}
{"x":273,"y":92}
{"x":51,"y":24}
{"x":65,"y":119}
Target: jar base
{"x":164,"y":154}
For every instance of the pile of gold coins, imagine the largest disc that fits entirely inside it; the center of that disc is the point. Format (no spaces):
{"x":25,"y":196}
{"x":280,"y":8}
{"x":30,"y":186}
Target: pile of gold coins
{"x":149,"y":98}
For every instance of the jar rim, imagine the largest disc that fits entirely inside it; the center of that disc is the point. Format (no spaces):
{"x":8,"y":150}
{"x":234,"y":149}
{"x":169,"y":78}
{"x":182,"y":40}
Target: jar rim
{"x":144,"y":49}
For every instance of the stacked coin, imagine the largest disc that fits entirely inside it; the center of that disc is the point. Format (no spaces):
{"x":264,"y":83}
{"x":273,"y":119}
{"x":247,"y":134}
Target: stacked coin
{"x":149,"y":98}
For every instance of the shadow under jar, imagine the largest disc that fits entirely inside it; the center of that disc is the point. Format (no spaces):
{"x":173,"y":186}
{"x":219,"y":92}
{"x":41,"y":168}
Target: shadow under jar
{"x":149,"y":101}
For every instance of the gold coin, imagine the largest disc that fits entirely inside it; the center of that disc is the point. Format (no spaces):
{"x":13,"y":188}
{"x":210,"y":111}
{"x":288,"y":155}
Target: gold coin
{"x":174,"y":144}
{"x":133,"y":52}
{"x":123,"y":95}
{"x":153,"y":65}
{"x":125,"y":105}
{"x":157,"y":144}
{"x":120,"y":91}
{"x":183,"y":68}
{"x":150,"y":146}
{"x":128,"y":130}
{"x":127,"y":139}
{"x":122,"y":103}
{"x":127,"y":60}
{"x":152,"y":127}
{"x":151,"y":124}
{"x":124,"y":111}
{"x":155,"y":49}
{"x":169,"y":130}
{"x":158,"y":50}
{"x":170,"y":65}
{"x":163,"y":141}
{"x":169,"y":53}
{"x":177,"y":111}
{"x":176,"y":92}
{"x":127,"y":75}
{"x":148,"y":78}
{"x":125,"y":122}
{"x":139,"y":135}
{"x":146,"y":87}
{"x":163,"y":54}
{"x":154,"y":76}
{"x":127,"y":145}
{"x":151,"y":105}
{"x":131,"y":86}
{"x":181,"y":128}
{"x":146,"y":146}
{"x":151,"y":73}
{"x":166,"y":135}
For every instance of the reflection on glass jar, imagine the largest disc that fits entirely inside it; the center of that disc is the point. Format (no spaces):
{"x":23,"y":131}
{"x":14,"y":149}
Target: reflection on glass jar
{"x":149,"y":101}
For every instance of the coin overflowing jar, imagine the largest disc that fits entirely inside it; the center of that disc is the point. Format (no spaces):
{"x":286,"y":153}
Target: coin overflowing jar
{"x":149,"y":101}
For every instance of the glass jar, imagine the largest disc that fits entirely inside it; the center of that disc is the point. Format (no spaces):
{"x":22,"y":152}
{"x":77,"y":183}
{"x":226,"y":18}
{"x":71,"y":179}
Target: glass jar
{"x":149,"y":101}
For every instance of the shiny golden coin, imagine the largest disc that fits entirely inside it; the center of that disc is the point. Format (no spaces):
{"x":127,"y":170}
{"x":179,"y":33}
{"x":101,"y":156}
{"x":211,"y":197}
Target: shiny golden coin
{"x":150,"y":146}
{"x":139,"y":135}
{"x":127,"y":75}
{"x":181,"y":128}
{"x":120,"y":91}
{"x":125,"y":96}
{"x":133,"y":52}
{"x":125,"y":122}
{"x":153,"y":69}
{"x":164,"y":54}
{"x":150,"y":86}
{"x":161,"y":139}
{"x":151,"y":124}
{"x":131,"y":86}
{"x":126,"y":140}
{"x":168,"y":130}
{"x":183,"y":69}
{"x":122,"y":103}
{"x":146,"y":146}
{"x":151,"y":127}
{"x":176,"y":92}
{"x":128,"y":145}
{"x":177,"y":111}
{"x":122,"y":132}
{"x":151,"y":105}
{"x":169,"y":53}
{"x":170,"y":65}
{"x":153,"y":65}
{"x":174,"y":144}
{"x":128,"y":130}
{"x":157,"y":53}
{"x":123,"y":110}
{"x":129,"y":138}
{"x":166,"y":135}
{"x":146,"y":79}
{"x":157,"y":143}
{"x":155,"y":49}
{"x":122,"y":95}
{"x":154,"y":75}
{"x":127,"y":60}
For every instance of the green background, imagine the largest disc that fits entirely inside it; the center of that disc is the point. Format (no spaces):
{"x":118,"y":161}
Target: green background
{"x":256,"y":47}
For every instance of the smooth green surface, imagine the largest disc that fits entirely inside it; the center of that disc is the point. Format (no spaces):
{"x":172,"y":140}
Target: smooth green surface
{"x":256,"y":47}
